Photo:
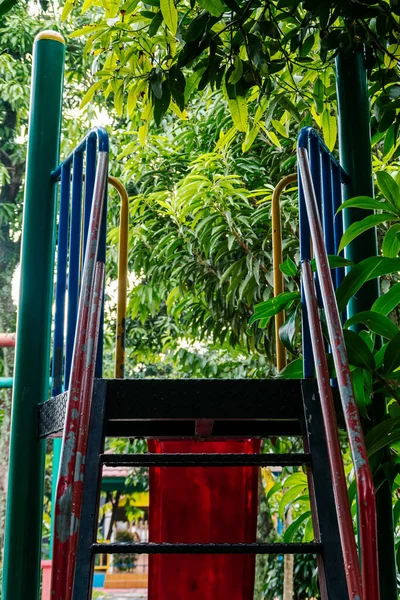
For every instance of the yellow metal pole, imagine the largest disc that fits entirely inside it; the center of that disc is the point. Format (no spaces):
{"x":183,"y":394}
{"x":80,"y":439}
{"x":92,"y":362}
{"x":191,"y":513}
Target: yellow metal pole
{"x":122,"y":276}
{"x":277,"y":260}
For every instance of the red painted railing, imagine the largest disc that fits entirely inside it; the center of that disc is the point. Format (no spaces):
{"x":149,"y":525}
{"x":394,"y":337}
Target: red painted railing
{"x":72,"y":465}
{"x":364,"y":586}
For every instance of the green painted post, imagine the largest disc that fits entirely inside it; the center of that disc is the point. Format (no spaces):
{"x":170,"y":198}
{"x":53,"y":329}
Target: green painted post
{"x":356,"y":158}
{"x":22,"y":547}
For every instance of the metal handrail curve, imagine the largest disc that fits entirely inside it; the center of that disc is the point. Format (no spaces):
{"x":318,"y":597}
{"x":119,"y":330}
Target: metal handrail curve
{"x":277,"y":259}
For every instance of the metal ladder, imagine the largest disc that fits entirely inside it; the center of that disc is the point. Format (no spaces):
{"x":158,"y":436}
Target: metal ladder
{"x":238,"y":408}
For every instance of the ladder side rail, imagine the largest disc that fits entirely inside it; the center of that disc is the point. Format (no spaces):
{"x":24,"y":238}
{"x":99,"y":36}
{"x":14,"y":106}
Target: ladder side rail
{"x":365,"y":487}
{"x":65,"y":520}
{"x":345,"y":521}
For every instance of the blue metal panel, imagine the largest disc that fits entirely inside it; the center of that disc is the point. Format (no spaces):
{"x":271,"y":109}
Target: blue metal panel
{"x":327,"y":176}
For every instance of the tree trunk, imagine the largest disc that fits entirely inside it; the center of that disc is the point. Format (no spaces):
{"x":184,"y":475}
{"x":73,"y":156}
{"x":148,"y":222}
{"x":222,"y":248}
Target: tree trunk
{"x":288,"y":567}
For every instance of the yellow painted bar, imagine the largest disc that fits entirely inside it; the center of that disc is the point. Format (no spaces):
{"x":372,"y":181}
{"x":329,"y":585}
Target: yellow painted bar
{"x":277,"y":260}
{"x":122,"y":277}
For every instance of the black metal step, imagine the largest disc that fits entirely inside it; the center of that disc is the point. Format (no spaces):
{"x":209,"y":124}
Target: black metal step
{"x":204,"y":460}
{"x":169,"y":408}
{"x":180,"y":548}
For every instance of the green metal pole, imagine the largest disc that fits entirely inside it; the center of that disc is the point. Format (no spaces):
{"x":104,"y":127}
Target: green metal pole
{"x":22,"y":547}
{"x":356,"y":158}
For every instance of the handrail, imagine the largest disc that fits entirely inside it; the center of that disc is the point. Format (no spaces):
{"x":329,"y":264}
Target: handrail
{"x":366,"y":585}
{"x":277,"y":259}
{"x":72,"y":466}
{"x":122,"y":277}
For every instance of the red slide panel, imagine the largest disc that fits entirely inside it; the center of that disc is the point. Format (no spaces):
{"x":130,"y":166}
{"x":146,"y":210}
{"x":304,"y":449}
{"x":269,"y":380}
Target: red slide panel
{"x":203,"y":504}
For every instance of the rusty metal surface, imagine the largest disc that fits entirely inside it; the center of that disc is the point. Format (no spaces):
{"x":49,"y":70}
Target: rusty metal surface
{"x":369,"y":590}
{"x":80,"y":389}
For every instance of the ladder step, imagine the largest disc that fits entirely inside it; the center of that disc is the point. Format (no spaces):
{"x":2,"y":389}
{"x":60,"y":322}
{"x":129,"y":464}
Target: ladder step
{"x":179,"y":548}
{"x":204,"y":460}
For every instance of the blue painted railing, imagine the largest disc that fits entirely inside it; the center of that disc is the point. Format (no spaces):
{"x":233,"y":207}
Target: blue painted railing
{"x":328,"y":177}
{"x":77,"y":175}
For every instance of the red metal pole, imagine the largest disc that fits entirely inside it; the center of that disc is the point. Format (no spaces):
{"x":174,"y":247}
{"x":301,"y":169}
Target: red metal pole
{"x":89,"y":358}
{"x":365,"y":486}
{"x":345,"y":521}
{"x":7,"y":340}
{"x":66,"y":524}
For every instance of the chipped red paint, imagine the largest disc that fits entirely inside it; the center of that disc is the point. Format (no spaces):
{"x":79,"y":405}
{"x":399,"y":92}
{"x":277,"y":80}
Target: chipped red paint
{"x":70,"y":480}
{"x":369,"y":588}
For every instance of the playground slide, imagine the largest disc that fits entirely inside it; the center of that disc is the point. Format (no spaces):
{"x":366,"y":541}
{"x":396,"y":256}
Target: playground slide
{"x":203,"y":504}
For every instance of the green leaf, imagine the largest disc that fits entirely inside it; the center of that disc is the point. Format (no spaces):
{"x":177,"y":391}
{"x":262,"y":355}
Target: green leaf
{"x":192,"y":83}
{"x":279,"y":128}
{"x":170,"y":15}
{"x":389,"y":188}
{"x":289,"y":497}
{"x":387,"y":302}
{"x":358,"y":352}
{"x":273,"y":306}
{"x":237,"y":72}
{"x":391,"y":242}
{"x":367,"y":269}
{"x":155,"y":23}
{"x":90,"y":93}
{"x":335,"y":262}
{"x":275,"y":488}
{"x":293,"y":370}
{"x":298,"y":478}
{"x":391,"y":358}
{"x":239,"y":112}
{"x":367,"y":203}
{"x":287,"y":333}
{"x":293,"y":527}
{"x":375,"y":322}
{"x":309,"y":531}
{"x":250,"y":138}
{"x":359,"y":227}
{"x":329,"y":129}
{"x":362,"y":396}
{"x":288,"y":267}
{"x":383,"y":435}
{"x":214,"y":7}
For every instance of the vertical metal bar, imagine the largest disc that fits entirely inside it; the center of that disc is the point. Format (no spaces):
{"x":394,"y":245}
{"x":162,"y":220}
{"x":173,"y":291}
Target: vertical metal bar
{"x":336,"y":185}
{"x":277,"y":259}
{"x":91,"y":495}
{"x":74,"y":260}
{"x":122,"y":277}
{"x":89,"y":357}
{"x":322,"y":497}
{"x":327,"y":216}
{"x":90,"y":170}
{"x":59,"y":317}
{"x":331,"y":431}
{"x":305,"y":254}
{"x":21,"y":566}
{"x":102,"y":258}
{"x":365,"y":487}
{"x":61,"y":283}
{"x":66,"y":524}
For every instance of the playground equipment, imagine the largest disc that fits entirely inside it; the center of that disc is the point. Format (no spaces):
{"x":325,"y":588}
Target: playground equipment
{"x":91,"y":409}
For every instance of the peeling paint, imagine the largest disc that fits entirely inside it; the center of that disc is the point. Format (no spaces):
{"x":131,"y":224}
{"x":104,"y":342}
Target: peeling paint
{"x":67,"y":453}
